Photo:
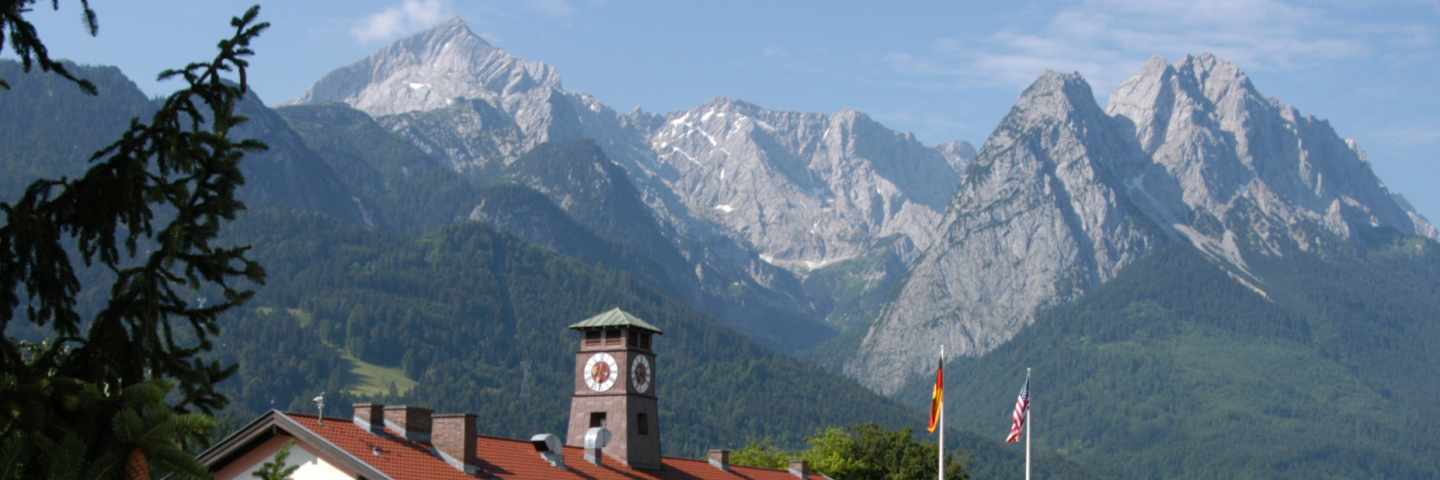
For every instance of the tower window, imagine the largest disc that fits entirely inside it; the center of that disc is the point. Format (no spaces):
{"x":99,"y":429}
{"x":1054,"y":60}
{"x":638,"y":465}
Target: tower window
{"x":597,"y":419}
{"x":642,"y":423}
{"x":592,"y":338}
{"x":612,"y":337}
{"x":634,"y":338}
{"x":645,"y":341}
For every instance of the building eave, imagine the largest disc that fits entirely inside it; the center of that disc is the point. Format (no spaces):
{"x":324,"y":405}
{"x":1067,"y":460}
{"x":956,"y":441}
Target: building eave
{"x":271,"y":424}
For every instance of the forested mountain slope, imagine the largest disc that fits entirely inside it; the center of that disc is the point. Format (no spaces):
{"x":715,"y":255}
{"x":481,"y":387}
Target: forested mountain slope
{"x":477,"y":318}
{"x":1175,"y":370}
{"x":586,"y":206}
{"x":463,"y":310}
{"x":403,"y":189}
{"x":1064,"y":194}
{"x":48,"y":128}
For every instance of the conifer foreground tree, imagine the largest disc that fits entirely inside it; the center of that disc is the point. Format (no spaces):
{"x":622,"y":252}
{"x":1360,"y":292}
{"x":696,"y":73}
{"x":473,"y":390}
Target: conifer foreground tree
{"x":118,"y":392}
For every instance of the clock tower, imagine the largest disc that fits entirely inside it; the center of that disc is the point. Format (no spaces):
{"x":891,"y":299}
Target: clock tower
{"x":615,"y":388}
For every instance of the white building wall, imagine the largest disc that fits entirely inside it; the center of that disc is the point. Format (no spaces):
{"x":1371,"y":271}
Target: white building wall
{"x":312,"y":466}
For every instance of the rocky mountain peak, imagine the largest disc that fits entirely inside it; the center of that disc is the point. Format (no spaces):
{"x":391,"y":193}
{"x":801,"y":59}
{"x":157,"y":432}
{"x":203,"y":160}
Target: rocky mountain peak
{"x":1056,"y":94}
{"x":1228,"y":148}
{"x":1146,"y":100}
{"x":430,"y":70}
{"x":806,"y":189}
{"x":846,"y":115}
{"x":452,"y":28}
{"x":959,"y":153}
{"x":1040,"y":217}
{"x":1216,"y":78}
{"x":724,"y":102}
{"x":1064,"y":195}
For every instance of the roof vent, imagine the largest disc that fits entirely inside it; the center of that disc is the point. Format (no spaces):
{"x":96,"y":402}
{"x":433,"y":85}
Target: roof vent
{"x":550,"y":448}
{"x":595,"y":439}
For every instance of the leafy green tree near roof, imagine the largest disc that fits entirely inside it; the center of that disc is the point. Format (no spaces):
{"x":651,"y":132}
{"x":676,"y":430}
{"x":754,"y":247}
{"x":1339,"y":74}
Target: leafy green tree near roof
{"x":118,"y":392}
{"x":858,"y":452}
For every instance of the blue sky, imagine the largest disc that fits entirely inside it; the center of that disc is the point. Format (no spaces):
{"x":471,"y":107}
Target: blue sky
{"x":944,"y":70}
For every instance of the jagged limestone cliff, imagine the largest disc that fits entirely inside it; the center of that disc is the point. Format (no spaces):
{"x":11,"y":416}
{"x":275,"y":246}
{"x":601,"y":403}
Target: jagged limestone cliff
{"x":1039,"y":219}
{"x":1064,"y":194}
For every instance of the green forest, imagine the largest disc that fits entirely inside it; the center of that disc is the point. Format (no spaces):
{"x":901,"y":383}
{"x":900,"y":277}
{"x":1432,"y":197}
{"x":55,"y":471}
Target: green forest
{"x":468,"y":311}
{"x":567,"y":196}
{"x":1176,"y":370}
{"x":463,"y":311}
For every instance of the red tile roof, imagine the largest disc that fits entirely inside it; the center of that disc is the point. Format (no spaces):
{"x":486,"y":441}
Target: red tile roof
{"x":506,"y":458}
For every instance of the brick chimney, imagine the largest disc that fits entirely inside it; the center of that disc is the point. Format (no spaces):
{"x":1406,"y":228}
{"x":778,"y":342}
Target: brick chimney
{"x":370,"y":416}
{"x":720,"y":459}
{"x":413,"y":423}
{"x":800,"y":468}
{"x":453,"y":437}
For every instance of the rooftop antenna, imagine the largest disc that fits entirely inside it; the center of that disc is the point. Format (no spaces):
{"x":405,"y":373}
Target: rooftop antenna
{"x":320,"y":404}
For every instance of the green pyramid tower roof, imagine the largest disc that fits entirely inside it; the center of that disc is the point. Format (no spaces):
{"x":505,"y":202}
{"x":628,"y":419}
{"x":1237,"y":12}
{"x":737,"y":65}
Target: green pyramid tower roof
{"x":616,"y":318}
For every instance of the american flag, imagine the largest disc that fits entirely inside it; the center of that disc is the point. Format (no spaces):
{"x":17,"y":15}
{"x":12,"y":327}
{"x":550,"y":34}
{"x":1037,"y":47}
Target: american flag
{"x":1022,"y":412}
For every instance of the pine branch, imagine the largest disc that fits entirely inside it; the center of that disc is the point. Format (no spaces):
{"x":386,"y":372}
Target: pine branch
{"x":25,"y":41}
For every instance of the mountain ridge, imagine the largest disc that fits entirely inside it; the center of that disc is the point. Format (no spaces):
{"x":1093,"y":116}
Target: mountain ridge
{"x":1189,"y":152}
{"x":1185,"y":152}
{"x":1036,"y":222}
{"x":439,"y":57}
{"x":483,"y":127}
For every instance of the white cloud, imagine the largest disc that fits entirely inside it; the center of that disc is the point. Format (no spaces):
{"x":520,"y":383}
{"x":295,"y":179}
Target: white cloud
{"x":1409,"y":134}
{"x":554,"y":8}
{"x":409,"y":16}
{"x":1108,"y":40}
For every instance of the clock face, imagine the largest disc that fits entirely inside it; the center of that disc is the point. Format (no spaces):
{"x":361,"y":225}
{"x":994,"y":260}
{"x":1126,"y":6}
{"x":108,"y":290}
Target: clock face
{"x":641,"y":374}
{"x":601,"y":371}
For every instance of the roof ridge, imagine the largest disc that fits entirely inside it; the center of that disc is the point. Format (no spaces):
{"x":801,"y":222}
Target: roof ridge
{"x":615,"y":317}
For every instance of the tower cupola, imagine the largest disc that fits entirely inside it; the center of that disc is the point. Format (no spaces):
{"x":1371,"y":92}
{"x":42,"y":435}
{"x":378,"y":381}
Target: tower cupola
{"x":615,"y":388}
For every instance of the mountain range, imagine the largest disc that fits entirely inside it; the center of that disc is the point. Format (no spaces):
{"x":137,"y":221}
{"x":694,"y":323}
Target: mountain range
{"x":1119,"y":249}
{"x":752,"y":198}
{"x":1066,"y":194}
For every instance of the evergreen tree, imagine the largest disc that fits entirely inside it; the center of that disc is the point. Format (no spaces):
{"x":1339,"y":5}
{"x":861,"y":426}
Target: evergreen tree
{"x":118,"y":386}
{"x":275,"y":469}
{"x":25,"y":41}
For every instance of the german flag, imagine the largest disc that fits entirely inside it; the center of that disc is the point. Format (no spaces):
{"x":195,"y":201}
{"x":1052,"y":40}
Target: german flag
{"x":937,"y":400}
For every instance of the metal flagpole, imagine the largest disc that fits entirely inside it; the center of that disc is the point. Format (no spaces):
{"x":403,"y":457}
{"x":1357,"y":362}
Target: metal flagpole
{"x":942,"y":414}
{"x":1028,"y":418}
